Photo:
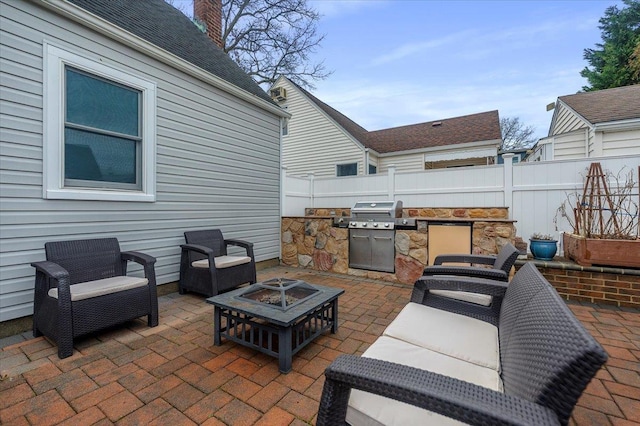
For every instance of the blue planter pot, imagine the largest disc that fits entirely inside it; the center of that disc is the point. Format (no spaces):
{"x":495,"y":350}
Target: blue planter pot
{"x":543,"y":249}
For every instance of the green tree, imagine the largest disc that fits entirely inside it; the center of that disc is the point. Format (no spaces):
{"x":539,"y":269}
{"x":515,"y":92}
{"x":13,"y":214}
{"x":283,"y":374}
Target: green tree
{"x":612,"y":63}
{"x":515,"y":134}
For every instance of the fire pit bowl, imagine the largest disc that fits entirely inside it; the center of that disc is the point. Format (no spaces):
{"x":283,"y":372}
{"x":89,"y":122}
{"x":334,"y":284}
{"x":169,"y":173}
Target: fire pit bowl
{"x":280,"y":293}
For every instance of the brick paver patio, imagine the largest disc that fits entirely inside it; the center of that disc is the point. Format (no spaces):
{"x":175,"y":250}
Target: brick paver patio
{"x":173,"y":375}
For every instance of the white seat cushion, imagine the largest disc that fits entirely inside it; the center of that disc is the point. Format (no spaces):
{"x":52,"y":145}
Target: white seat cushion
{"x":222,"y":261}
{"x":101,"y":287}
{"x":477,"y":298}
{"x":459,"y":336}
{"x":369,"y":409}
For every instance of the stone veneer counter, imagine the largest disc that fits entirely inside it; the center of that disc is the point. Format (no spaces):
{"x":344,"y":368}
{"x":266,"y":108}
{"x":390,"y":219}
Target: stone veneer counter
{"x":311,"y":241}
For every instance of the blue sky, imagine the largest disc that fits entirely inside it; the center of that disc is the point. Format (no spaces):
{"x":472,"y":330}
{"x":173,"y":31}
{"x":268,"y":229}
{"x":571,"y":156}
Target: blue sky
{"x":399,"y":62}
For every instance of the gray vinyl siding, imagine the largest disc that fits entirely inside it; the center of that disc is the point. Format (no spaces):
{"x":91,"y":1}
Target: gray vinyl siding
{"x":314,"y":144}
{"x":218,"y":161}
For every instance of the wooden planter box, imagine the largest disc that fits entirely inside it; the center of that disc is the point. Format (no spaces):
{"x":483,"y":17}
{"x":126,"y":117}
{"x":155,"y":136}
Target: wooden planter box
{"x":591,"y":251}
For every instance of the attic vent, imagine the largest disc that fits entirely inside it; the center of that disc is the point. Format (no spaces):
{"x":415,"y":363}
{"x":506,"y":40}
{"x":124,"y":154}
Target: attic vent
{"x":279,"y":94}
{"x":436,"y":124}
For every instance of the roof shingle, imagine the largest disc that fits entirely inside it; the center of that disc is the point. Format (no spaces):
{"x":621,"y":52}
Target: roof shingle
{"x":601,"y":106}
{"x":484,"y":126}
{"x":163,"y":25}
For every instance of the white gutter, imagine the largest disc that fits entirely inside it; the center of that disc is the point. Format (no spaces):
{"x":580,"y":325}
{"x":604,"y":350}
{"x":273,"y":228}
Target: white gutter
{"x":630,"y":124}
{"x":116,"y":33}
{"x":459,"y":146}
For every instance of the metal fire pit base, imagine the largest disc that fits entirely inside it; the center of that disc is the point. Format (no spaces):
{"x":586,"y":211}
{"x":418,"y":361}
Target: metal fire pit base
{"x":272,"y":331}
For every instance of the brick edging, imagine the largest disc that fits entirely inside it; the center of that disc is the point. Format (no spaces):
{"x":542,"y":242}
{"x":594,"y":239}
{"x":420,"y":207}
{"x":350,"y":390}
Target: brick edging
{"x":612,"y":286}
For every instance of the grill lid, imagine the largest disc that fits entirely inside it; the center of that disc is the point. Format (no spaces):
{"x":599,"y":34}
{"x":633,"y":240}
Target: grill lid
{"x":377,"y":209}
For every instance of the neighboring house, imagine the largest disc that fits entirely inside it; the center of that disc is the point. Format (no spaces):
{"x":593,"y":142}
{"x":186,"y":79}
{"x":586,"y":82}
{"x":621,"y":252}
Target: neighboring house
{"x":519,"y":155}
{"x":121,"y":119}
{"x":593,"y":124}
{"x":319,"y":139}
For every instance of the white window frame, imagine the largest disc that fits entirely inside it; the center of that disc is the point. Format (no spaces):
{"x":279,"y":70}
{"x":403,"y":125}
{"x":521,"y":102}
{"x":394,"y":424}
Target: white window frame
{"x":55,"y":60}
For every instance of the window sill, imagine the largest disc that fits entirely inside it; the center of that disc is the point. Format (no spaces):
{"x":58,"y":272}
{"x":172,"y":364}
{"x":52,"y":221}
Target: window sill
{"x":96,"y":195}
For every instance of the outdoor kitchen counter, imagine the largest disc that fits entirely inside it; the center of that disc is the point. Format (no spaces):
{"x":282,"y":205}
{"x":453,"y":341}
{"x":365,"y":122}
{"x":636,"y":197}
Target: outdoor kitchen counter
{"x":313,"y":242}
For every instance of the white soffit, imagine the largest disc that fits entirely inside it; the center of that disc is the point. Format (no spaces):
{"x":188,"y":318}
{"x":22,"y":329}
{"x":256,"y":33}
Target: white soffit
{"x":461,"y":154}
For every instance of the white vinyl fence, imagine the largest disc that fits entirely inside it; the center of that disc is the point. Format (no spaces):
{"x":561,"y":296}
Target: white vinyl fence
{"x":532,"y":191}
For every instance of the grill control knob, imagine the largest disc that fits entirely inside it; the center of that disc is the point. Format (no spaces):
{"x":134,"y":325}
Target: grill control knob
{"x":364,"y":225}
{"x":386,"y":225}
{"x":404,"y":221}
{"x":352,"y":224}
{"x":375,"y":225}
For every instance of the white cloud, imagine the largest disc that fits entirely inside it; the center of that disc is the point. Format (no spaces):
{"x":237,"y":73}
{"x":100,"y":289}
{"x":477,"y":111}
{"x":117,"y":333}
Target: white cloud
{"x":376,"y":104}
{"x":477,"y":44}
{"x":411,"y":49}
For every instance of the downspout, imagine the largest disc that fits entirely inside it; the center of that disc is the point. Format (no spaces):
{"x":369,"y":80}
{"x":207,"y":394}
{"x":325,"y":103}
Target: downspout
{"x":586,"y":142}
{"x":366,"y":161}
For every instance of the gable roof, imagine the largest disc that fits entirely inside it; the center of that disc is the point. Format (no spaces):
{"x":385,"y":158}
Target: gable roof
{"x":163,"y":25}
{"x":484,"y":126}
{"x":601,"y":106}
{"x":479,"y":127}
{"x":353,"y":128}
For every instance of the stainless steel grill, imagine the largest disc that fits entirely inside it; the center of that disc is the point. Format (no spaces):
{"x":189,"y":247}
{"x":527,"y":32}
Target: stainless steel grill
{"x":372,"y":234}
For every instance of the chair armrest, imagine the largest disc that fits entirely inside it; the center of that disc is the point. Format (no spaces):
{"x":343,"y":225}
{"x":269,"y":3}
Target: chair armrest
{"x":468,"y":271}
{"x":141,"y":258}
{"x":200,"y":249}
{"x":145,"y":260}
{"x":465,"y":258}
{"x":466,"y":284}
{"x":51,"y":269}
{"x":450,"y":397}
{"x":47,"y":271}
{"x":241,"y":243}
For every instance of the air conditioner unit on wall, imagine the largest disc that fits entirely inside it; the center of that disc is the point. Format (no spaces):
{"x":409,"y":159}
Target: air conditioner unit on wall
{"x":279,"y":94}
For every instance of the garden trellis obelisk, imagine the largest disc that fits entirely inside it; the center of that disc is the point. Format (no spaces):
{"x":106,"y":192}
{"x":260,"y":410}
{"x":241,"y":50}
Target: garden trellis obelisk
{"x":596,"y":200}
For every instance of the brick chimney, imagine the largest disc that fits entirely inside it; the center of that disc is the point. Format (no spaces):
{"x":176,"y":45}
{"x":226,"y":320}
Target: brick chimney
{"x":209,"y":12}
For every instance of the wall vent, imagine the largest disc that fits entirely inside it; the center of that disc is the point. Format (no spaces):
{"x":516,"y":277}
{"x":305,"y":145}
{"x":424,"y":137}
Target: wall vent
{"x":279,"y":94}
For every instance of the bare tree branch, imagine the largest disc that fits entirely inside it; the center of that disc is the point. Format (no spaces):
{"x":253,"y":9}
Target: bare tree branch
{"x":269,"y":38}
{"x":515,"y":134}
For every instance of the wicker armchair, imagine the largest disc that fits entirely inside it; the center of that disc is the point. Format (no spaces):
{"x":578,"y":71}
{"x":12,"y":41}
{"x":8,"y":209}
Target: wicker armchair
{"x":83,"y":287}
{"x":546,"y":359}
{"x":500,"y":264}
{"x":499,"y":270}
{"x":206,"y":267}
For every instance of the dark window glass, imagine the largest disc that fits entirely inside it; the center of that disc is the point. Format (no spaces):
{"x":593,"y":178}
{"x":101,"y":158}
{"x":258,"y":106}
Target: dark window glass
{"x":373,"y":169}
{"x":102,"y":133}
{"x":93,"y":102}
{"x":95,"y":157}
{"x":350,"y":169}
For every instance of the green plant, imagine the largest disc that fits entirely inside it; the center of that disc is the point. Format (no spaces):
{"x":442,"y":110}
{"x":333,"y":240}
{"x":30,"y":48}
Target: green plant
{"x":544,"y":237}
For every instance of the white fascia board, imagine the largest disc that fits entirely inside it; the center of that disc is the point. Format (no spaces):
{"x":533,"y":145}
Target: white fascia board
{"x":556,"y":108}
{"x":631,"y":124}
{"x":116,"y":33}
{"x":586,"y":122}
{"x":460,"y":154}
{"x":491,"y":145}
